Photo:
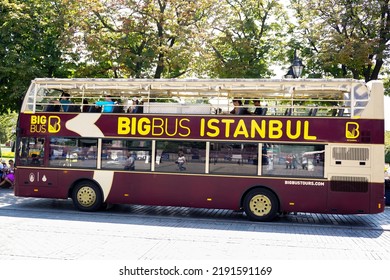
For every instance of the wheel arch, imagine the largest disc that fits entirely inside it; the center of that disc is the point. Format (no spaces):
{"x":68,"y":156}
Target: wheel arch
{"x":76,"y":182}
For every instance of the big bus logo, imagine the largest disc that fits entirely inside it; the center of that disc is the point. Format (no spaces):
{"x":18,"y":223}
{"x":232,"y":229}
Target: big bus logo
{"x":352,"y":130}
{"x":54,"y":124}
{"x":40,"y":124}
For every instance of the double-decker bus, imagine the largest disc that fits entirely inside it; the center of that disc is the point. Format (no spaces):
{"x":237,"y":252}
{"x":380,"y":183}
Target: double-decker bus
{"x":259,"y":145}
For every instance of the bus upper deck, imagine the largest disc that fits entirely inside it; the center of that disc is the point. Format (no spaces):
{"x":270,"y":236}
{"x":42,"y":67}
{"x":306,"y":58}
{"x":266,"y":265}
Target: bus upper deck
{"x":292,"y":97}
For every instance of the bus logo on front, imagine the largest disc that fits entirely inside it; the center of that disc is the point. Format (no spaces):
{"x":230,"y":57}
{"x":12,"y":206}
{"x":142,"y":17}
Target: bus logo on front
{"x":54,"y":124}
{"x":352,"y":130}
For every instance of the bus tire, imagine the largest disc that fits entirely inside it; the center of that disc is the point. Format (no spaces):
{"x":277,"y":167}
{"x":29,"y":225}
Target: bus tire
{"x":261,"y":205}
{"x":87,"y":196}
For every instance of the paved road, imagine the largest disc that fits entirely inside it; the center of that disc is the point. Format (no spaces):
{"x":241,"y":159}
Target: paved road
{"x":52,"y":230}
{"x":176,"y":237}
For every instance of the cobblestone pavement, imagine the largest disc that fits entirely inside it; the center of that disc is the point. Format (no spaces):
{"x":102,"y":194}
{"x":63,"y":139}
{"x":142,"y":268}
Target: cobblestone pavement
{"x":50,"y":229}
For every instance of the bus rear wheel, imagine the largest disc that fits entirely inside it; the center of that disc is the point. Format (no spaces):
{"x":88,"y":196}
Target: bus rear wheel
{"x":87,"y":196}
{"x":261,"y":205}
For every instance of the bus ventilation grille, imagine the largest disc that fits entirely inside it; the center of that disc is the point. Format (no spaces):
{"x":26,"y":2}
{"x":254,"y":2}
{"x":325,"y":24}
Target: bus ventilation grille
{"x":349,"y":184}
{"x":348,"y":153}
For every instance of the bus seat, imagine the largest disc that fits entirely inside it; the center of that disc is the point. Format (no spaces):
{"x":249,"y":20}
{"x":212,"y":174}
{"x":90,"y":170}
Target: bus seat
{"x":95,"y":109}
{"x":74,"y":108}
{"x":118,"y":109}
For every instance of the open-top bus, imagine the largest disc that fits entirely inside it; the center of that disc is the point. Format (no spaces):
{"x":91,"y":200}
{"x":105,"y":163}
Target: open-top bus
{"x":314,"y":145}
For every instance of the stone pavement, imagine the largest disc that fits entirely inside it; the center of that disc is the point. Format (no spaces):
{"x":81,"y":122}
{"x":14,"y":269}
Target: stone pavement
{"x":50,"y":229}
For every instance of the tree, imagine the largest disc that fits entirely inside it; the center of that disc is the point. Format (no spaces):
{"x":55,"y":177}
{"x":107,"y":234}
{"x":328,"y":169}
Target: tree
{"x":7,"y":127}
{"x":154,"y":38}
{"x":344,"y":38}
{"x":246,"y":38}
{"x":30,"y":35}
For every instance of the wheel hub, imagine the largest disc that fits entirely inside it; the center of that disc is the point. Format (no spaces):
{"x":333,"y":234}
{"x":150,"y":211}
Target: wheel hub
{"x":260,"y":205}
{"x":86,"y":196}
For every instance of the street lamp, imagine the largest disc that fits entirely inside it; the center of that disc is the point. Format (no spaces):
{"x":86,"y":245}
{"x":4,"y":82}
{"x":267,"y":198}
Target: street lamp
{"x":297,"y":65}
{"x":295,"y":70}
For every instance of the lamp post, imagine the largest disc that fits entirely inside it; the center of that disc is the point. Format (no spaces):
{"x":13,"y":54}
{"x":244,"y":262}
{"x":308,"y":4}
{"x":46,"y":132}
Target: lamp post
{"x":295,"y":70}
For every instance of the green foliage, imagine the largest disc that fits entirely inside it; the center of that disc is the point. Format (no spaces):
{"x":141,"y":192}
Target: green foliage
{"x":182,"y":38}
{"x":247,"y":39}
{"x":30,"y":35}
{"x":344,"y":38}
{"x":386,"y":83}
{"x":156,"y":38}
{"x":7,"y":127}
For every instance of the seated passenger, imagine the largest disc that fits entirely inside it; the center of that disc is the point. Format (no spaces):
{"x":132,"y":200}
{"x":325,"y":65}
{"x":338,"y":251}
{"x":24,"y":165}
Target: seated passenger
{"x":118,"y":107}
{"x":3,"y":168}
{"x":8,"y":176}
{"x":140,"y":107}
{"x":64,"y":101}
{"x":60,"y":105}
{"x":238,"y":109}
{"x":86,"y":107}
{"x":258,"y":110}
{"x":107,"y":104}
{"x":137,"y":107}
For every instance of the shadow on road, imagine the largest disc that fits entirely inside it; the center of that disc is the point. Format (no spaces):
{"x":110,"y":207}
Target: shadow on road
{"x":365,"y":226}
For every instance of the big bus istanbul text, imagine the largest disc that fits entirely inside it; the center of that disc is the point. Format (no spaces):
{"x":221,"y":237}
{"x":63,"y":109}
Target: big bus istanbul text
{"x":214,"y":128}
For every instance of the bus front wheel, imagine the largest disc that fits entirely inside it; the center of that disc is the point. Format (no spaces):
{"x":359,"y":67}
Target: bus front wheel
{"x":261,"y":205}
{"x":87,"y":196}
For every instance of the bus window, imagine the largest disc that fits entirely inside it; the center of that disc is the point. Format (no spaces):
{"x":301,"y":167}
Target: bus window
{"x":115,"y":153}
{"x":293,"y":160}
{"x":167,"y":155}
{"x":229,"y":158}
{"x":72,"y":152}
{"x":31,"y":151}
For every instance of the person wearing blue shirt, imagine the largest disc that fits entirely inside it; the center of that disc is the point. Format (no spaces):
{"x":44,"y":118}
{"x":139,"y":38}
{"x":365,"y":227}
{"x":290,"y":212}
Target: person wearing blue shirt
{"x":60,"y":105}
{"x":64,"y":101}
{"x":107,"y":104}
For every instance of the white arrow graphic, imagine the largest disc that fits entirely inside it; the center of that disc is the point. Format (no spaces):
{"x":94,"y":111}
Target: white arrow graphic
{"x":84,"y":125}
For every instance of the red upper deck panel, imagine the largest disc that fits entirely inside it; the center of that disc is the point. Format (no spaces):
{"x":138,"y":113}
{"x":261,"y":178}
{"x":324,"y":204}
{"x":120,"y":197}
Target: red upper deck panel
{"x":220,"y":127}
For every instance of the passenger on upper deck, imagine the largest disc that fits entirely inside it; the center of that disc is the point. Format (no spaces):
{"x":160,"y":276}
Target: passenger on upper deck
{"x":60,"y":105}
{"x":107,"y":104}
{"x":137,"y":106}
{"x":86,"y":107}
{"x":238,"y":109}
{"x":259,"y":110}
{"x":64,"y":101}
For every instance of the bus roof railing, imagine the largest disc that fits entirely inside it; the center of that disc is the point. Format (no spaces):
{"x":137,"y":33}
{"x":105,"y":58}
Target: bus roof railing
{"x":351,"y":95}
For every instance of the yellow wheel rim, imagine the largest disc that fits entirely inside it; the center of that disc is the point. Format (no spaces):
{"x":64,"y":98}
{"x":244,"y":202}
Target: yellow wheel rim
{"x":86,"y":196}
{"x":260,"y":205}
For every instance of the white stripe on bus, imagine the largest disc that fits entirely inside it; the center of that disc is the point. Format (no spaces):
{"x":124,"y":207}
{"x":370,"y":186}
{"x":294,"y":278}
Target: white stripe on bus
{"x":105,"y":178}
{"x":84,"y":125}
